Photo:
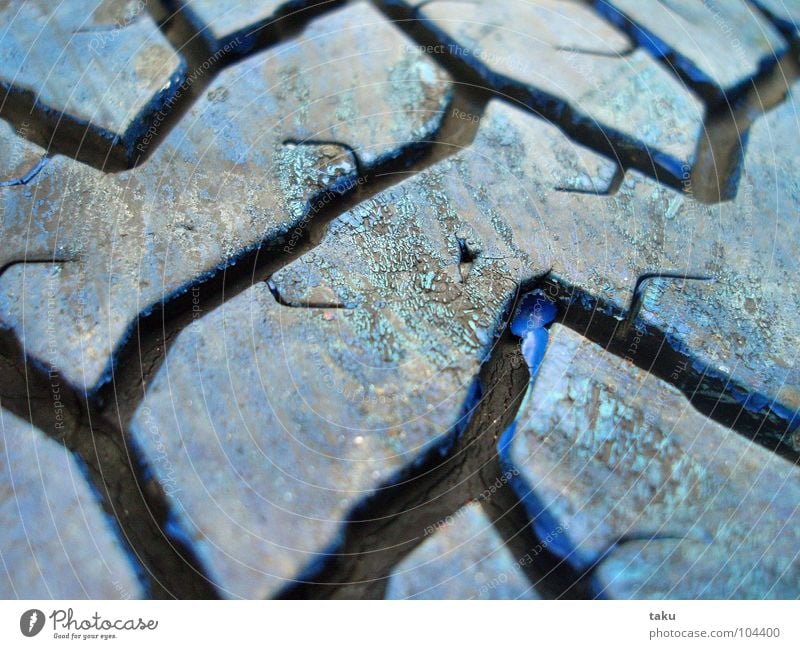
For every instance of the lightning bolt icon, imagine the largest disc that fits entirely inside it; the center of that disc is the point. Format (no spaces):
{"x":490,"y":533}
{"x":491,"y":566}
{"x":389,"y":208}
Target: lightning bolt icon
{"x":32,"y":621}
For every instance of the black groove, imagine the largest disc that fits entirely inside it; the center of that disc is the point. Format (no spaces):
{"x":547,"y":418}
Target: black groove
{"x":137,"y":505}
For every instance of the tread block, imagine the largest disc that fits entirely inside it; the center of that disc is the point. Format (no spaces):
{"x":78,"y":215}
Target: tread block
{"x":498,"y":203}
{"x":599,"y":246}
{"x":737,"y":325}
{"x":465,"y":558}
{"x":399,"y":302}
{"x":719,"y":45}
{"x":670,"y":503}
{"x":283,"y":410}
{"x":55,"y":540}
{"x":579,"y":69}
{"x":298,"y":418}
{"x":272,"y":138}
{"x":103,"y":66}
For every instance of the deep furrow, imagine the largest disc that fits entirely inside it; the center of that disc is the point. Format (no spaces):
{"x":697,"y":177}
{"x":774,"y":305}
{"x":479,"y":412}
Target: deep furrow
{"x":712,"y":178}
{"x":723,"y":145}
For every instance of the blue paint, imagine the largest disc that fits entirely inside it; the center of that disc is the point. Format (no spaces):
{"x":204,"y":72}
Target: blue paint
{"x":534,"y":313}
{"x":535,"y":310}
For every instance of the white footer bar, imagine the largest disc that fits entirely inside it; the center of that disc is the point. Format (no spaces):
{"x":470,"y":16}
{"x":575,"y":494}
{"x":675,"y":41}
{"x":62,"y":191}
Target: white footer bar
{"x":399,"y":624}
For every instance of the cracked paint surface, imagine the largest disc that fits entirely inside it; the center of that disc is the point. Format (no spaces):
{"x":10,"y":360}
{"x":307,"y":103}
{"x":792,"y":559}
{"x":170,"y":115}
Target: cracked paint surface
{"x":328,"y":404}
{"x":286,"y":408}
{"x":743,"y":324}
{"x":594,"y":244}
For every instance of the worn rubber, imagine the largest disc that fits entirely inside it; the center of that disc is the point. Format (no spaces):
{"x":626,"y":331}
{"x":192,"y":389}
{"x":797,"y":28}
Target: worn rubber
{"x":447,"y":299}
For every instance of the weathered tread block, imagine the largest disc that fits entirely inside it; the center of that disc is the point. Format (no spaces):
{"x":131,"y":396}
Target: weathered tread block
{"x":282,"y":411}
{"x":662,"y":501}
{"x":464,"y":558}
{"x":55,"y":540}
{"x":99,"y":68}
{"x":717,"y":45}
{"x":302,"y":413}
{"x":233,"y":24}
{"x":565,"y":60}
{"x":233,"y":173}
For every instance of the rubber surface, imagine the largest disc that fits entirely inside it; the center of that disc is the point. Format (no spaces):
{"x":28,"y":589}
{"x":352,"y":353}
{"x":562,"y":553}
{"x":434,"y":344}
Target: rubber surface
{"x":278,"y":283}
